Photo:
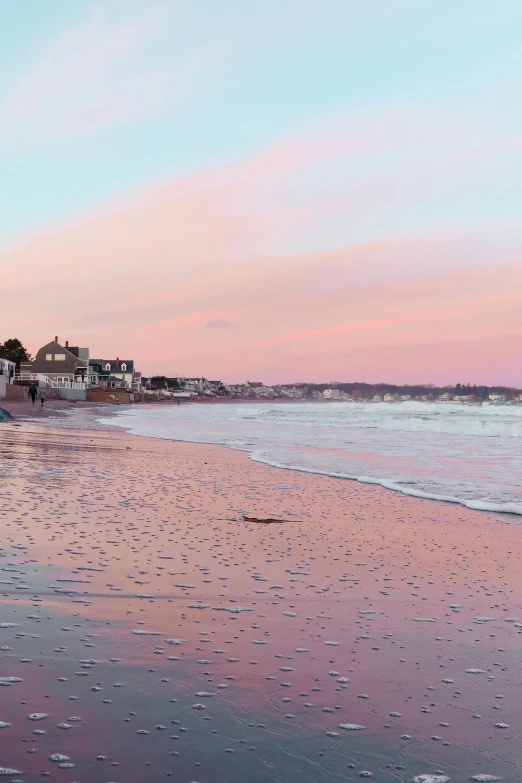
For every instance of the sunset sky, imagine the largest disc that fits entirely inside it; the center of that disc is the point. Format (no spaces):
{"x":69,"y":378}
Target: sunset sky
{"x":282,"y":190}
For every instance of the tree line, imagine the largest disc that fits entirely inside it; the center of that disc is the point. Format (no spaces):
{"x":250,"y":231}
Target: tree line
{"x":14,"y":351}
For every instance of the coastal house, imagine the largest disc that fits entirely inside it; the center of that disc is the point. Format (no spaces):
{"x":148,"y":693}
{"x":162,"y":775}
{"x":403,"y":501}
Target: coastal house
{"x":335,"y":394}
{"x":60,"y":364}
{"x":296,"y":392}
{"x":218,"y":387}
{"x":239,"y":390}
{"x":7,"y":370}
{"x":198,"y":386}
{"x":497,"y":397}
{"x":7,"y":373}
{"x":113,"y":374}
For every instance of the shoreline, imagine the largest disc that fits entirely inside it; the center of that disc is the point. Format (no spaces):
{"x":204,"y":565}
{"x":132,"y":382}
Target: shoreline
{"x":123,"y":555}
{"x":505,"y":509}
{"x":60,"y":409}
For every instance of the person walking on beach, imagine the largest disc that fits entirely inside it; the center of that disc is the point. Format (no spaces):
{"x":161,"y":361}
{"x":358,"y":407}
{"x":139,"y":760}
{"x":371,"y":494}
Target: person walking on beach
{"x":42,"y":396}
{"x":32,"y":392}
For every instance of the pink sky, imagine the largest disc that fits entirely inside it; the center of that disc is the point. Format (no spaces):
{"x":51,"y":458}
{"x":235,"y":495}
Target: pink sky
{"x":281,"y":191}
{"x":221,"y":273}
{"x":184,"y":282}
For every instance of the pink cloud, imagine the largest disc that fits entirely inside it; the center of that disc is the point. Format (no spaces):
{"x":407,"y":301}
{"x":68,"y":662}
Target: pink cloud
{"x":147,"y":276}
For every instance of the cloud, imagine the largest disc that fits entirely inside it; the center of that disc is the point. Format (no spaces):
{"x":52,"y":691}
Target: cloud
{"x":125,"y":61}
{"x":154,"y":275}
{"x":219,"y":323}
{"x":119,"y":63}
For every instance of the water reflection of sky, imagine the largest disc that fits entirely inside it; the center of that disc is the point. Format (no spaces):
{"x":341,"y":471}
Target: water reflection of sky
{"x":365,"y":569}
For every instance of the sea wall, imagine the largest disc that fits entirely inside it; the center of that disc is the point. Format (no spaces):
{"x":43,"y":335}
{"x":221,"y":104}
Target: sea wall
{"x":114,"y":396}
{"x":13,"y":392}
{"x":72,"y":394}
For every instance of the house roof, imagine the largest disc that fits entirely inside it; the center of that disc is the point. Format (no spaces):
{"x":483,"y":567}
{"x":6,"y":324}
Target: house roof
{"x":67,"y":366}
{"x":114,"y":363}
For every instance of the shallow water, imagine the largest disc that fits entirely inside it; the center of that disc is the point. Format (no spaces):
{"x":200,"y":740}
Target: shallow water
{"x":470,"y":454}
{"x":367,"y":609}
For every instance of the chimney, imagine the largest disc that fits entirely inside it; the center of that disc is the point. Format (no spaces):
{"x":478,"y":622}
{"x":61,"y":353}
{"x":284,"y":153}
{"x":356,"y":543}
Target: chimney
{"x":117,"y":362}
{"x":67,"y":343}
{"x":55,"y":339}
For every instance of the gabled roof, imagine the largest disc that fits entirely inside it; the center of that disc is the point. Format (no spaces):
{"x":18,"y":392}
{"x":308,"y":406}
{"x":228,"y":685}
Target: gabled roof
{"x":115,"y":364}
{"x":54,"y":347}
{"x":67,"y":366}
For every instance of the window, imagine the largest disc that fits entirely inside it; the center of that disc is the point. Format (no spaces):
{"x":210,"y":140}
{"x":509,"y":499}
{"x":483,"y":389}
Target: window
{"x":59,"y":357}
{"x":48,"y":357}
{"x":107,"y":366}
{"x":123,"y":367}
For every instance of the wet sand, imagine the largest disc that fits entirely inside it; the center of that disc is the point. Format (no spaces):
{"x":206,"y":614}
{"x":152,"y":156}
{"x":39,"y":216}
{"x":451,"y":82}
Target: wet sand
{"x":25,"y":408}
{"x":161,"y":635}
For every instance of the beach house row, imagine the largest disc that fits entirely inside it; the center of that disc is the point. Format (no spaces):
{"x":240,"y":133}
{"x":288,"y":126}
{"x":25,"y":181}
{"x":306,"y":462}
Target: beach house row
{"x":66,"y":366}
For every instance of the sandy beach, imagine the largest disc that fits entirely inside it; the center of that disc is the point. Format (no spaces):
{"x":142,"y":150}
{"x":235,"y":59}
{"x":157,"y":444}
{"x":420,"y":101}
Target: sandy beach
{"x":148,"y":631}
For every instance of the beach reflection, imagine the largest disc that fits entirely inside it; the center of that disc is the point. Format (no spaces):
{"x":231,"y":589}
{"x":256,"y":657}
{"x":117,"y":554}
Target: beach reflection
{"x":190,"y":643}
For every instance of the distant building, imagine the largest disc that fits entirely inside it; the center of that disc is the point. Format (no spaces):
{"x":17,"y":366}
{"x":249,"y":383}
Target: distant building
{"x":297,"y":392}
{"x":218,"y":387}
{"x":335,"y":394}
{"x":197,"y":385}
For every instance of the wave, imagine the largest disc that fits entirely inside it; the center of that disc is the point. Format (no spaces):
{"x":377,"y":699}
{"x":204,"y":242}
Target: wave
{"x":492,"y":421}
{"x":476,"y":505}
{"x":422,"y":450}
{"x":456,"y":426}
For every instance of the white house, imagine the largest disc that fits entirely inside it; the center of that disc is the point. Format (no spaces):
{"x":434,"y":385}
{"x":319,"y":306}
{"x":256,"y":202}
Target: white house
{"x":112,"y":373}
{"x":335,"y":394}
{"x":7,"y":372}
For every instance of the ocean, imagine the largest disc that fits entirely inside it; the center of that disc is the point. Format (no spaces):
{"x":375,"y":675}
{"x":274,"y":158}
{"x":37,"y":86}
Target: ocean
{"x":460,"y":453}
